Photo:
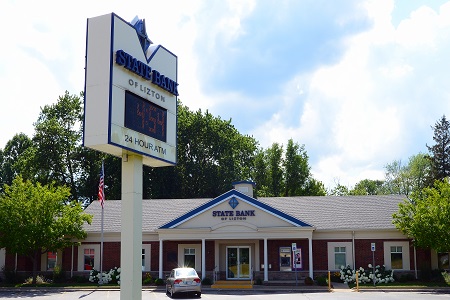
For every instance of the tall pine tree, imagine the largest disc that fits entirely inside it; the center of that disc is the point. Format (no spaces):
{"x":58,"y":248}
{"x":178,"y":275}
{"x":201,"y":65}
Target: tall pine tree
{"x":440,"y":151}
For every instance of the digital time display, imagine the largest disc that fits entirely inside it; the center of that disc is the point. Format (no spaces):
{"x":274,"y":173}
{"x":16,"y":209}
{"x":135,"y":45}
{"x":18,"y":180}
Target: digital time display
{"x":145,"y":117}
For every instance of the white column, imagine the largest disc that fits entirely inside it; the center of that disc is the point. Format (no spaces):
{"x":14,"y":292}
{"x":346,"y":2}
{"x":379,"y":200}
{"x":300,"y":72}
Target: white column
{"x":203,"y":259}
{"x":311,"y":273}
{"x":160,"y":275}
{"x":131,"y":235}
{"x":266,"y":261}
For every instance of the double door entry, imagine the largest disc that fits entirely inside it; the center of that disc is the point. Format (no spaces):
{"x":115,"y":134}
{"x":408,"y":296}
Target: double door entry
{"x":238,"y":262}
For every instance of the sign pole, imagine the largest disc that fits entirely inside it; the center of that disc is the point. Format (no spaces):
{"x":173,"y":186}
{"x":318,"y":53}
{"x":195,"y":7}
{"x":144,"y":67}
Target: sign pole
{"x":294,"y":248}
{"x":373,"y":261}
{"x":131,"y":228}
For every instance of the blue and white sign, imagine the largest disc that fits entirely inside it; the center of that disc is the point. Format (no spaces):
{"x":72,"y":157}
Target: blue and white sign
{"x":131,"y":92}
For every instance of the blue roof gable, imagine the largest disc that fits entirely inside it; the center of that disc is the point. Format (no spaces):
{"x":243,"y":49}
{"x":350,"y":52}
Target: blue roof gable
{"x":189,"y":215}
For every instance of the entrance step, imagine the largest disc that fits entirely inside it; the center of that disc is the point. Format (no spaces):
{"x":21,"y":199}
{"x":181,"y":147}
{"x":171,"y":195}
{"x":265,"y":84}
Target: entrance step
{"x":232,"y":284}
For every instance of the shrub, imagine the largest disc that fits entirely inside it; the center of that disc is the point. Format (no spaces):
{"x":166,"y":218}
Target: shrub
{"x":309,"y":281}
{"x":425,"y":272}
{"x":79,"y":279}
{"x":336,"y":277}
{"x":10,"y":276}
{"x":39,"y":280}
{"x":148,"y":279}
{"x":159,"y":281}
{"x":58,"y":275}
{"x":206,"y":281}
{"x":322,"y":281}
{"x":348,"y":275}
{"x":405,"y":277}
{"x":113,"y":276}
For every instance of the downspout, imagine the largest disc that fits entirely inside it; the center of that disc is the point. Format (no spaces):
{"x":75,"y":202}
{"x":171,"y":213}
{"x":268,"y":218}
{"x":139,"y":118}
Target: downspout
{"x":71,"y":265}
{"x":415,"y":262}
{"x":353,"y":250}
{"x":160,"y":273}
{"x":203,"y":259}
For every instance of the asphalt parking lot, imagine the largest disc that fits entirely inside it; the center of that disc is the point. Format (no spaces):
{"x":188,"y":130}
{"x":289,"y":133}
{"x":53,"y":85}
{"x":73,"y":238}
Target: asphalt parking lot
{"x":285,"y":293}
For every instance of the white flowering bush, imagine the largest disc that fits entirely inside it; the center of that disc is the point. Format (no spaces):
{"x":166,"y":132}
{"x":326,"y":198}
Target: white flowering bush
{"x":113,"y":276}
{"x":381,"y":275}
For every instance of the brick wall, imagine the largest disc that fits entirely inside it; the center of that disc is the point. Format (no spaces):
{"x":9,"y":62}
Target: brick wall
{"x":320,"y":255}
{"x":274,"y":252}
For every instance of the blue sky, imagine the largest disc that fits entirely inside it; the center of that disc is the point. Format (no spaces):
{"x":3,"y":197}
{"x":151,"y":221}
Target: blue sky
{"x":359,"y":83}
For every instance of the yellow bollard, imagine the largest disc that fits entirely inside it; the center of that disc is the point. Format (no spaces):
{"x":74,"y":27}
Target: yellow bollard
{"x":329,"y":281}
{"x":357,"y":281}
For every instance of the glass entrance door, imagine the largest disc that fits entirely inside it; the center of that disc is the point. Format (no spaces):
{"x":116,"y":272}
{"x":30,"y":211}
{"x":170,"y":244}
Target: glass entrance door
{"x":238,"y":263}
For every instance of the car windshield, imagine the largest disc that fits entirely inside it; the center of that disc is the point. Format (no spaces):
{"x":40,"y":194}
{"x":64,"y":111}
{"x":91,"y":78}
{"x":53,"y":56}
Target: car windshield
{"x":185,"y":272}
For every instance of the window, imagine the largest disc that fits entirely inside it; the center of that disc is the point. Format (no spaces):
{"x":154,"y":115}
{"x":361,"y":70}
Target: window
{"x":339,"y":254}
{"x":89,"y":255}
{"x":339,"y":257}
{"x":443,"y":261}
{"x":146,"y":257}
{"x":189,"y":257}
{"x":396,"y":257}
{"x":143,"y":259}
{"x":51,"y":261}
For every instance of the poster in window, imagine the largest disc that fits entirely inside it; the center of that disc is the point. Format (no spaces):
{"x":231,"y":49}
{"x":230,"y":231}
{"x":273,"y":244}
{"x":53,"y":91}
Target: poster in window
{"x":298,"y":265}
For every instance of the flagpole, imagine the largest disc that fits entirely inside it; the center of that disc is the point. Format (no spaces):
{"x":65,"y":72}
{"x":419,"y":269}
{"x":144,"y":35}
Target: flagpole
{"x":101,"y":250}
{"x":102,"y":199}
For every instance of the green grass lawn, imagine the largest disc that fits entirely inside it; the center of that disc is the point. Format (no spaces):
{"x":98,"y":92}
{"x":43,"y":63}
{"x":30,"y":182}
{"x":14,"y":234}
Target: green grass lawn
{"x":442,"y":281}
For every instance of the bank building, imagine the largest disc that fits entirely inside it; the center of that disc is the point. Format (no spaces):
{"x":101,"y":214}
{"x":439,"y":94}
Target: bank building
{"x":237,"y":236}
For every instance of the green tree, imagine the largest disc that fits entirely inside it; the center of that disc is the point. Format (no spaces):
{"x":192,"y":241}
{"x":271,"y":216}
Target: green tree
{"x":339,"y":190}
{"x":395,"y":179}
{"x":368,"y":187}
{"x":275,"y":169}
{"x":440,"y":151}
{"x":57,"y":140}
{"x":279,"y":173}
{"x":259,"y":174}
{"x":405,"y":179}
{"x":35,"y":219}
{"x":314,"y":187}
{"x":211,"y":155}
{"x":10,"y":159}
{"x":296,"y":169}
{"x":420,"y":169}
{"x":89,"y":163}
{"x":426,"y":217}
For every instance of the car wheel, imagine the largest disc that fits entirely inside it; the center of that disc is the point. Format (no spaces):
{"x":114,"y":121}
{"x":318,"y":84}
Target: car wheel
{"x":199,"y":295}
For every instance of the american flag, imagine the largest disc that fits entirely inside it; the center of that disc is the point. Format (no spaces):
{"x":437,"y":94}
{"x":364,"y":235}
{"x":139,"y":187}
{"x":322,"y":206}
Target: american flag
{"x":101,"y":186}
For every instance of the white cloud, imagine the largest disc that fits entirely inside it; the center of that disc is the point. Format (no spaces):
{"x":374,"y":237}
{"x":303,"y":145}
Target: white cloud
{"x":376,"y":103}
{"x":360,"y":112}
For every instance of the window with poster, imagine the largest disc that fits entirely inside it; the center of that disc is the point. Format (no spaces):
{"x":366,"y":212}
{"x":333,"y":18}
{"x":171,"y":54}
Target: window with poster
{"x":285,"y":259}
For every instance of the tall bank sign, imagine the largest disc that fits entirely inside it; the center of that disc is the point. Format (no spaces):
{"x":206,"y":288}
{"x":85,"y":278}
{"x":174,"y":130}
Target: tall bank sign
{"x":130,"y":93}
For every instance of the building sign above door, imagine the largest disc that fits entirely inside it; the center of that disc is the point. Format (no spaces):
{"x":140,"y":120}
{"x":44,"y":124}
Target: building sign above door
{"x":233,"y":214}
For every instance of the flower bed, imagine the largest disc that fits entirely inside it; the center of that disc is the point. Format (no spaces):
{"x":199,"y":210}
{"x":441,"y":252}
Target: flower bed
{"x":381,"y":275}
{"x":113,"y":276}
